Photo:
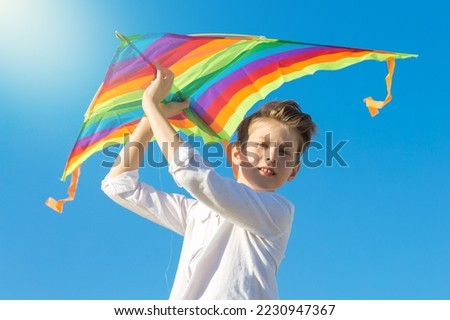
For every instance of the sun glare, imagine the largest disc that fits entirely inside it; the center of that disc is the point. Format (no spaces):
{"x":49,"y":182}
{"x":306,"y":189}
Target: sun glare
{"x":39,"y":40}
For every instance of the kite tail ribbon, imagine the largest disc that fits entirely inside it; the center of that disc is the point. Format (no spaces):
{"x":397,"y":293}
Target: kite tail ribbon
{"x":57,"y":205}
{"x":374,"y":105}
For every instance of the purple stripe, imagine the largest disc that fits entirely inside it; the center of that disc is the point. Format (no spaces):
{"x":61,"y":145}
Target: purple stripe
{"x":105,"y":127}
{"x":124,"y":66}
{"x":92,"y":139}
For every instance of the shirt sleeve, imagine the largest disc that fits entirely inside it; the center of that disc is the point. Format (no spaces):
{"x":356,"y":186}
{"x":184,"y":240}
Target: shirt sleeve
{"x":266,"y":214}
{"x":167,"y":210}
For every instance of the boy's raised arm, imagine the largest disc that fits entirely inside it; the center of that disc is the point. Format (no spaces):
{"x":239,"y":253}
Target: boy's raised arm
{"x":166,"y":137}
{"x":131,"y":155}
{"x":155,"y":120}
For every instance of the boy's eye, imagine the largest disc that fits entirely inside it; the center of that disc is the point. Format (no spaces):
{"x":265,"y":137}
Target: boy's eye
{"x":262,"y":145}
{"x":284,"y":152}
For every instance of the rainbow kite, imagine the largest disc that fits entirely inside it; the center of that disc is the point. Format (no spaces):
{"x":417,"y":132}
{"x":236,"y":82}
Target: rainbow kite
{"x":224,"y":75}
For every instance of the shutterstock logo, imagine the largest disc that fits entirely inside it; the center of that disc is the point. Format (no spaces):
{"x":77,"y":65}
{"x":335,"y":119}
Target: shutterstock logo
{"x":331,"y":153}
{"x":319,"y":154}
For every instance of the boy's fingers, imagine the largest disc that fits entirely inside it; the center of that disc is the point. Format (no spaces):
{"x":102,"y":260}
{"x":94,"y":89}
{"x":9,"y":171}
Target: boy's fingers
{"x":182,"y":104}
{"x":166,"y":74}
{"x":158,"y":74}
{"x":177,"y":107}
{"x":162,"y":72}
{"x":169,"y":73}
{"x":186,"y":103}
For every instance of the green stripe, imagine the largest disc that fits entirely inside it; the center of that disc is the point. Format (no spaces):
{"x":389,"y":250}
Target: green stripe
{"x":127,"y":98}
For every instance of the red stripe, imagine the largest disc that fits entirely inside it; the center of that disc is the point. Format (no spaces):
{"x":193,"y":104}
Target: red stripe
{"x":144,"y":72}
{"x":171,"y":57}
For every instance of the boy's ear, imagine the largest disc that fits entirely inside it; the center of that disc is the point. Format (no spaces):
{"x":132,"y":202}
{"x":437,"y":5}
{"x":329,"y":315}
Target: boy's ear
{"x":294,"y":172}
{"x":236,"y":154}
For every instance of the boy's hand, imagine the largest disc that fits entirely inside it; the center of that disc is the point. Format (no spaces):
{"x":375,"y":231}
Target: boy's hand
{"x":173,"y":108}
{"x":157,"y":113}
{"x":158,"y":89}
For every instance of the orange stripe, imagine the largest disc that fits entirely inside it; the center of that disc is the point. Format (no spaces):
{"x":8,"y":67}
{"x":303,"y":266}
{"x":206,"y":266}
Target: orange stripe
{"x":137,"y":84}
{"x":200,"y":54}
{"x":185,"y":123}
{"x":230,"y":108}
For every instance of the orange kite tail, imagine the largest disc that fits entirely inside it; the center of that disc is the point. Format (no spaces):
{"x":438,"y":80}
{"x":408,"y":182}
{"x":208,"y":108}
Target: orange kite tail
{"x":374,"y":105}
{"x":57,"y":205}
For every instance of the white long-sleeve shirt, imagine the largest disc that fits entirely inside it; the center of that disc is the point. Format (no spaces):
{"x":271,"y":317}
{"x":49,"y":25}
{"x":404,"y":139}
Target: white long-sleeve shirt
{"x":234,"y":237}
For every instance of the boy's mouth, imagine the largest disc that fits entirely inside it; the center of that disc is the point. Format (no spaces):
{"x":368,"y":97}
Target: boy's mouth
{"x":266,"y":171}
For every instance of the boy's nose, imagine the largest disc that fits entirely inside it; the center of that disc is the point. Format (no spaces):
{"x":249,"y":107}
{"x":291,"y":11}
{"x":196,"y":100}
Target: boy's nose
{"x":271,"y":156}
{"x":271,"y":162}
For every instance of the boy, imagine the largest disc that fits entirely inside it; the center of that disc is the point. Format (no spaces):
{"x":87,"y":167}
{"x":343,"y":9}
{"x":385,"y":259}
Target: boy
{"x":235,"y":232}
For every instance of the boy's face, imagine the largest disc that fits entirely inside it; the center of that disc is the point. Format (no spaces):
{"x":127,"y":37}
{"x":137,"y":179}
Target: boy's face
{"x":268,"y":159}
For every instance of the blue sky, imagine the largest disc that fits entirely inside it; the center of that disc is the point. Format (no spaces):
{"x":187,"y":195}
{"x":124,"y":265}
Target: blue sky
{"x":376,"y":229}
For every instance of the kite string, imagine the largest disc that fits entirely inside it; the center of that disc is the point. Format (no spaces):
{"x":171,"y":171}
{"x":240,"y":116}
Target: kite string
{"x":169,"y":263}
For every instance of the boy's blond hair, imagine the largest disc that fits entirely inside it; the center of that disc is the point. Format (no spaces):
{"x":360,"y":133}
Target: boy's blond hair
{"x":287,"y":112}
